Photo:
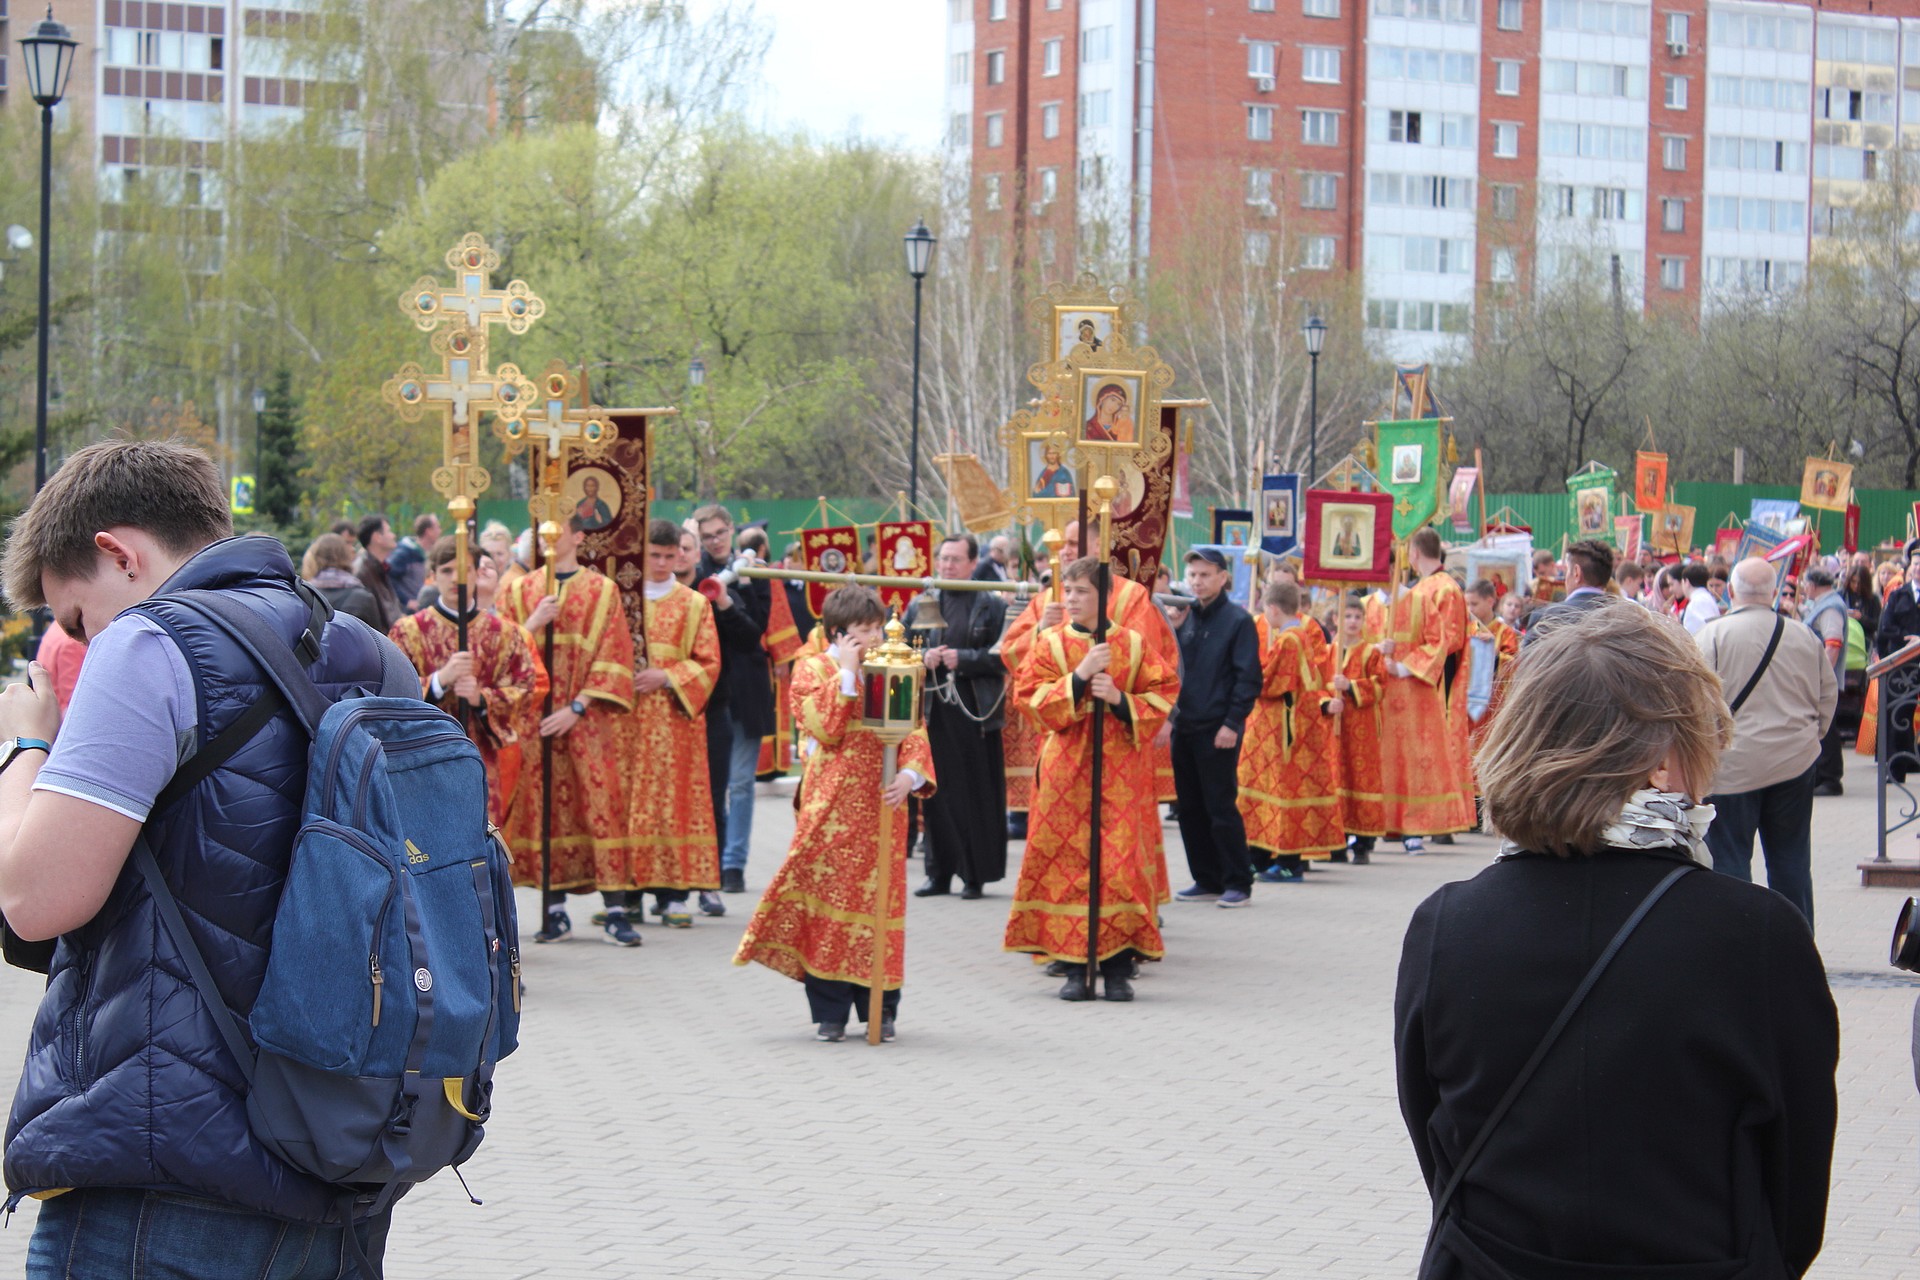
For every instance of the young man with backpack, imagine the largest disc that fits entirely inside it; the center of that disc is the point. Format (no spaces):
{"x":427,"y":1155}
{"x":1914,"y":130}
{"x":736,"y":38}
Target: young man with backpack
{"x":175,"y":791}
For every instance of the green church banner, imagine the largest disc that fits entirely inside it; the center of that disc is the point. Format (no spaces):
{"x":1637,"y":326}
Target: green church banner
{"x":1412,"y":467}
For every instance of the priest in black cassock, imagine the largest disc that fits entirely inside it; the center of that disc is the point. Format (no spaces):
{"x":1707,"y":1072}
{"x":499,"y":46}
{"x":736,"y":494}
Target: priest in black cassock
{"x":966,"y":707}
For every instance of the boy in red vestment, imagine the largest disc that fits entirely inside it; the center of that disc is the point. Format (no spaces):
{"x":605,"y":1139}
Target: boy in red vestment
{"x":1064,"y":673}
{"x":1494,"y":646}
{"x":670,"y":847}
{"x":815,"y":922}
{"x":592,"y":679}
{"x":1354,"y":699}
{"x":1423,"y":759}
{"x":1289,"y":763}
{"x":497,"y":678}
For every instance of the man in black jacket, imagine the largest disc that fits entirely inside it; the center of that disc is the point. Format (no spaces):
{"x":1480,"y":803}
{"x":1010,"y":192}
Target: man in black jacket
{"x":1589,"y":567}
{"x":740,"y":713}
{"x":966,"y":829}
{"x":1220,"y":665}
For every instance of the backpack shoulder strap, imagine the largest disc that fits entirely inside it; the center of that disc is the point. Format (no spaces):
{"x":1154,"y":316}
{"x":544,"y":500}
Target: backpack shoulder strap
{"x":1572,"y":1007}
{"x":176,"y":928}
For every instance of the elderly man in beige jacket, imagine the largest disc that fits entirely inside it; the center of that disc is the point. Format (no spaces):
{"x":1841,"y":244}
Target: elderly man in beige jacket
{"x":1777,"y":680}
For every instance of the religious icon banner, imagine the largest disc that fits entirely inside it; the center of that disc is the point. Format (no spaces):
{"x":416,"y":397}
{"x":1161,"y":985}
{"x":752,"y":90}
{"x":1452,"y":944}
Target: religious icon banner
{"x":1348,"y":536}
{"x":1850,"y":530}
{"x":1774,"y":514}
{"x":1143,"y":509}
{"x":1627,"y":532}
{"x":1232,"y":527}
{"x":1460,"y":497}
{"x":1649,"y":481}
{"x":1505,"y":567}
{"x":1410,"y":457}
{"x":1756,"y":540}
{"x":905,"y":548}
{"x":1673,"y":529}
{"x":1280,"y":513}
{"x":1590,"y":491}
{"x":835,"y":549}
{"x":1826,"y":485}
{"x":1240,"y":589}
{"x":610,"y":495}
{"x":1725,"y":541}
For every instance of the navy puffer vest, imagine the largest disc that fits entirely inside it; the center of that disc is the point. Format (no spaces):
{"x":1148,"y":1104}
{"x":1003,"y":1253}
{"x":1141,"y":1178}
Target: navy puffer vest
{"x":127,"y":1082}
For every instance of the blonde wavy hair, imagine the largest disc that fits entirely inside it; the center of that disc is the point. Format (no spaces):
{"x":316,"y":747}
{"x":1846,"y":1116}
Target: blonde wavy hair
{"x":1589,"y":711}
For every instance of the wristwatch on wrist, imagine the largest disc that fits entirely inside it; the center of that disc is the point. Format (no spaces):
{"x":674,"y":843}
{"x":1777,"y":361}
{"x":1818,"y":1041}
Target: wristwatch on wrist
{"x":579,"y":707}
{"x":12,"y":747}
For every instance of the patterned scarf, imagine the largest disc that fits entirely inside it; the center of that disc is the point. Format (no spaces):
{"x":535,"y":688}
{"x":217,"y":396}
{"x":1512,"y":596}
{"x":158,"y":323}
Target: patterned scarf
{"x":1654,"y":820}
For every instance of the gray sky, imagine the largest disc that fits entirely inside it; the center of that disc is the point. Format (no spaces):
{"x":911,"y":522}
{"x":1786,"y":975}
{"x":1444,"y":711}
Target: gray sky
{"x":870,"y":67}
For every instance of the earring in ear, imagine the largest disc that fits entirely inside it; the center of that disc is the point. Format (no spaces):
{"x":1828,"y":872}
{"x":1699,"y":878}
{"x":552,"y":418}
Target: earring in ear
{"x":129,"y":575}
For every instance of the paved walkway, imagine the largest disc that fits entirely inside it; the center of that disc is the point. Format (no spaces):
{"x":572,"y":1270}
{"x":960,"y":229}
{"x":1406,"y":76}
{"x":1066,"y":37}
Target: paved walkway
{"x":670,"y":1116}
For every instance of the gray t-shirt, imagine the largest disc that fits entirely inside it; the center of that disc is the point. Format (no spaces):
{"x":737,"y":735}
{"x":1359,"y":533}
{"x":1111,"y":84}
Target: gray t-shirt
{"x":131,"y":723}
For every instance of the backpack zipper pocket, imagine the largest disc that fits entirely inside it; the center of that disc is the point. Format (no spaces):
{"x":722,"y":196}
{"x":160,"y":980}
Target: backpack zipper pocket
{"x":381,"y":750}
{"x":354,"y":840}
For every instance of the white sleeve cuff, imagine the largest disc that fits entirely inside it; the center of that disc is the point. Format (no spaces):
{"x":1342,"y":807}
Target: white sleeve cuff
{"x":434,"y":691}
{"x":914,"y":774}
{"x":849,"y":683}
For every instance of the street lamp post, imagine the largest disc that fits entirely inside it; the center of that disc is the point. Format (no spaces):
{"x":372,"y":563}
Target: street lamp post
{"x":1316,"y":334}
{"x":49,"y":57}
{"x":259,"y":444}
{"x":920,"y":242}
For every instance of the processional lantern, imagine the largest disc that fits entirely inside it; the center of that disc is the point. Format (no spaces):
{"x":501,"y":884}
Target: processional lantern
{"x":890,"y":702}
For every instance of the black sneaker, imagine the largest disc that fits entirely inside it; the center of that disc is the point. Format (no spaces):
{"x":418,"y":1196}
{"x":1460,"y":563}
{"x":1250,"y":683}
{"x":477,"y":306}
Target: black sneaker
{"x":886,"y":1030}
{"x":619,"y":930}
{"x":830,"y":1032}
{"x":733,"y":880}
{"x":1362,"y":858}
{"x":1076,"y":985}
{"x":556,"y":929}
{"x":1060,"y":969}
{"x":1116,"y":987}
{"x":1016,"y":826}
{"x":710,"y":903}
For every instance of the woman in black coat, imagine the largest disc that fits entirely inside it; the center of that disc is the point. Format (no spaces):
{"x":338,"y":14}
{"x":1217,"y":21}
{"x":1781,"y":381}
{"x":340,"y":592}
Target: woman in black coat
{"x":1685,"y":1118}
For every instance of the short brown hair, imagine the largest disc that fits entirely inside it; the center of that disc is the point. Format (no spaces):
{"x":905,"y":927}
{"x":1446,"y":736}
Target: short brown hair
{"x":712,"y":511}
{"x":164,"y":488}
{"x":1425,"y":540}
{"x":1483,"y":590}
{"x":424,"y":521}
{"x":1594,"y":560}
{"x":1591,"y":709}
{"x":443,"y":553}
{"x":663,"y":533}
{"x":851,"y":606}
{"x":1085,"y":569}
{"x":1284,"y":596}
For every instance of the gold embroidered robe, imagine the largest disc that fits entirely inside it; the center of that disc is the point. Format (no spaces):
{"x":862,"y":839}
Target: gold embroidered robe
{"x":1426,"y":786}
{"x":1289,"y":763}
{"x":669,"y":841}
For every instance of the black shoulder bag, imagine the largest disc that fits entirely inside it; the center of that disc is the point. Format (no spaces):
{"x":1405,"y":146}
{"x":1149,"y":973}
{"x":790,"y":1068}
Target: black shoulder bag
{"x":1445,"y":1199}
{"x":1766,"y":660}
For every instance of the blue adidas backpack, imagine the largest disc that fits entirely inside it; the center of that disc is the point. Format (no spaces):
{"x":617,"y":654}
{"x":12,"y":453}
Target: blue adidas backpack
{"x":393,"y":984}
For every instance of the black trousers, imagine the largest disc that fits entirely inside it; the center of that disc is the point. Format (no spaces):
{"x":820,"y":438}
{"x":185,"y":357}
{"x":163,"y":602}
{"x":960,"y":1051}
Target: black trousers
{"x":1832,"y":765}
{"x":966,"y":817}
{"x":1206,"y":779}
{"x":719,"y":769}
{"x":1782,"y":816}
{"x":833,"y":1002}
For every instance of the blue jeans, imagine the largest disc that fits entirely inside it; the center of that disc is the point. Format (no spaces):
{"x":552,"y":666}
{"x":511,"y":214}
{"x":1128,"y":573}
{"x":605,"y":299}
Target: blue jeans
{"x":108,"y":1234}
{"x":1782,"y":816}
{"x":746,"y":763}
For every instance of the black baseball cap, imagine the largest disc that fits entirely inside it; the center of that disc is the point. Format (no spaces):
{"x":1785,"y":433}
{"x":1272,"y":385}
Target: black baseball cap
{"x":1212,"y":555}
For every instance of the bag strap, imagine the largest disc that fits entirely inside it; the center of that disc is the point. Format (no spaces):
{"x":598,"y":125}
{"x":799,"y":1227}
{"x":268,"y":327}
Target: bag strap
{"x":1579,"y":997}
{"x":176,"y":926}
{"x":1766,"y":659}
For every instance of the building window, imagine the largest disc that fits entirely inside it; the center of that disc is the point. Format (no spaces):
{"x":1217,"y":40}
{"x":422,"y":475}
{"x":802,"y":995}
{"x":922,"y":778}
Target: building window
{"x":1676,"y":93}
{"x":1260,"y":6}
{"x":1054,"y":5}
{"x":1050,"y":57}
{"x":1506,"y":202}
{"x":1260,"y":59}
{"x":1093,"y":171}
{"x":996,"y":10}
{"x":990,"y":255}
{"x":1095,"y":109}
{"x":1320,"y":8}
{"x":1260,"y":188}
{"x":1673,"y":273}
{"x":992,"y":190}
{"x":1320,"y":64}
{"x":997,"y":67}
{"x":1673,"y":153}
{"x":959,"y":11}
{"x":1049,"y":119}
{"x":1046,"y":246}
{"x":1260,"y":124}
{"x":960,"y":129}
{"x":1319,"y":190}
{"x":996,"y":128}
{"x":1259,"y":248}
{"x":1509,"y":15}
{"x":1673,"y":214}
{"x":1506,"y":77}
{"x":1096,"y":44}
{"x":1558,"y":199}
{"x":1320,"y":128}
{"x":1403,"y":126}
{"x":1677,"y":31}
{"x":962,"y":68}
{"x":1049,"y":184}
{"x":1316,"y":252}
{"x":1501,"y":268}
{"x":1506,"y":141}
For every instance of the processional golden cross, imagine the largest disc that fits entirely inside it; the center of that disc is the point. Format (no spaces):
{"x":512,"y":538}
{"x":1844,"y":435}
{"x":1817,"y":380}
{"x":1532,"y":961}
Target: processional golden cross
{"x":551,"y":432}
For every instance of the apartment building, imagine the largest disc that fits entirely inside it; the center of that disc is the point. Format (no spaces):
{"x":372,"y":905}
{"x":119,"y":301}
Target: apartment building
{"x":1444,"y":149}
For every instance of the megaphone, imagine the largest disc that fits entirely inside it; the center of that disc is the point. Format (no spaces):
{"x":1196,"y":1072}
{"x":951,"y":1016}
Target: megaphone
{"x":712,"y":588}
